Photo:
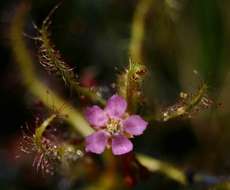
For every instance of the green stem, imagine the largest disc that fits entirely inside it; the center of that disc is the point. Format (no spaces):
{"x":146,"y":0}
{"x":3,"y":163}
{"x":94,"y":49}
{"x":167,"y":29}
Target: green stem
{"x":30,"y":79}
{"x":138,"y":30}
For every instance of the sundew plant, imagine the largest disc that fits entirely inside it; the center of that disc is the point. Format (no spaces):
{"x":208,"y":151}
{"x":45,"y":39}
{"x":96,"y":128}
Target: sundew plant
{"x":90,"y":137}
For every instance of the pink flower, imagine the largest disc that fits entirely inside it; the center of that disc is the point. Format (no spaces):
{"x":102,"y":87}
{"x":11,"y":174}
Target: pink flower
{"x":113,"y":127}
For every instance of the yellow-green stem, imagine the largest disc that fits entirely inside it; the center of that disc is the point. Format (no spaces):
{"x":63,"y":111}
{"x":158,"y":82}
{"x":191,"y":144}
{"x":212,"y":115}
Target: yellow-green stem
{"x":30,"y":79}
{"x":138,"y":30}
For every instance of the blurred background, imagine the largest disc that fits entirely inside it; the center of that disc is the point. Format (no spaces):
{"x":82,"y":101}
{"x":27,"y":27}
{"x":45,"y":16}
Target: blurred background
{"x":182,"y":36}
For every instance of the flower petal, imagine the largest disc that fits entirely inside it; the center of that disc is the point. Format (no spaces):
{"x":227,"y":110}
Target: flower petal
{"x":121,"y":145}
{"x":135,"y":125}
{"x":96,"y":142}
{"x":96,"y":116}
{"x":116,"y":106}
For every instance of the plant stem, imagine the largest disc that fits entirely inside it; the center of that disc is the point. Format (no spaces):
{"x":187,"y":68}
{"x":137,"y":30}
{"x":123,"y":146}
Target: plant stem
{"x":30,"y":79}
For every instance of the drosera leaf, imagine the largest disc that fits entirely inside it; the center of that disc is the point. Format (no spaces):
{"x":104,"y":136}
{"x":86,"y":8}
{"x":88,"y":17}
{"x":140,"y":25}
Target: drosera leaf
{"x":51,"y":60}
{"x":44,"y":149}
{"x":129,"y":84}
{"x":39,"y":131}
{"x":188,"y":104}
{"x":49,"y":151}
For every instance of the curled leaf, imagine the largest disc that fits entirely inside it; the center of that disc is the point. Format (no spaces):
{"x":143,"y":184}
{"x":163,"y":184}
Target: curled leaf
{"x":188,"y":104}
{"x":49,"y":151}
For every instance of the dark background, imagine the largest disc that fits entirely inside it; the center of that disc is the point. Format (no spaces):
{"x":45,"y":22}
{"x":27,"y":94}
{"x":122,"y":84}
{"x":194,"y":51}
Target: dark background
{"x":93,"y":36}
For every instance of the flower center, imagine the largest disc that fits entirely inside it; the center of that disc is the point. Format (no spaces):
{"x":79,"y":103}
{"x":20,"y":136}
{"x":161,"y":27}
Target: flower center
{"x":113,"y":126}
